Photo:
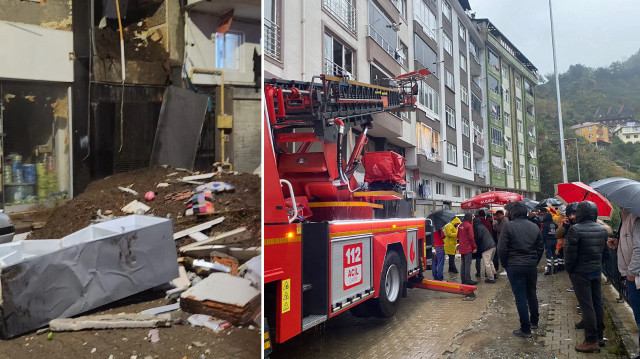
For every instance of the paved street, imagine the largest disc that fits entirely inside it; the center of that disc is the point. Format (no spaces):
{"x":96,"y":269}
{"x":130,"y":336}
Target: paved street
{"x":440,"y":325}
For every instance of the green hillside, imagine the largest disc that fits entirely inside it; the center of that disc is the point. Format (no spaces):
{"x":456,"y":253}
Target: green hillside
{"x":583,"y":90}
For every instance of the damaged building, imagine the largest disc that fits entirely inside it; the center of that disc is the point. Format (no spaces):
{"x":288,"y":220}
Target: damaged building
{"x":81,"y":102}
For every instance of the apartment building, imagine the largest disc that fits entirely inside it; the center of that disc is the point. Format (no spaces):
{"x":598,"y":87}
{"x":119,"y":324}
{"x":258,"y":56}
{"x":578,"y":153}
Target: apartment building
{"x":629,"y":132}
{"x":594,"y":132}
{"x":510,"y":81}
{"x":445,"y":141}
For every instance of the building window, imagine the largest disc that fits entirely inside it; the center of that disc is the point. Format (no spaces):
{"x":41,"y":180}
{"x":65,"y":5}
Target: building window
{"x":522,"y":173}
{"x":517,"y":82}
{"x":467,"y":192}
{"x":344,"y":11}
{"x":425,"y":17}
{"x":518,"y":104}
{"x":477,"y":135}
{"x":464,"y":94}
{"x":462,"y":31}
{"x":530,"y":109}
{"x":463,"y":62}
{"x":591,"y":136}
{"x":440,"y":188}
{"x":507,"y":143}
{"x":446,"y":10}
{"x":272,"y":39}
{"x":424,"y":55}
{"x":628,"y":136}
{"x":428,"y":97}
{"x":382,"y":30}
{"x":505,"y":73}
{"x":509,"y":167}
{"x":521,"y":148}
{"x":424,"y":138}
{"x":465,"y":127}
{"x":533,"y":172}
{"x":476,"y":104}
{"x":451,"y":117}
{"x":448,"y":45}
{"x":528,"y":87}
{"x":338,"y":58}
{"x":494,"y":61}
{"x":466,"y":160}
{"x":497,"y":163}
{"x":507,"y":120}
{"x":579,"y":130}
{"x":456,"y":190}
{"x":401,"y":54}
{"x":401,"y":5}
{"x":495,"y":111}
{"x":506,"y":97}
{"x":435,"y":145}
{"x":449,"y":80}
{"x":635,"y":136}
{"x":590,"y":128}
{"x":473,"y":49}
{"x":452,"y":154}
{"x":494,"y":85}
{"x":496,"y":137}
{"x":520,"y":126}
{"x":228,"y":50}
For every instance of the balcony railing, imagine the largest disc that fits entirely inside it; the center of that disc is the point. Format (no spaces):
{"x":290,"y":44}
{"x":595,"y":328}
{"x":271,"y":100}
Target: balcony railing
{"x":382,"y":42}
{"x":331,"y":68}
{"x":344,"y":11}
{"x":272,"y":43}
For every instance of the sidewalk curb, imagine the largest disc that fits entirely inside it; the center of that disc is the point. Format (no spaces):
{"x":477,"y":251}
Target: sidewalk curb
{"x":622,"y":317}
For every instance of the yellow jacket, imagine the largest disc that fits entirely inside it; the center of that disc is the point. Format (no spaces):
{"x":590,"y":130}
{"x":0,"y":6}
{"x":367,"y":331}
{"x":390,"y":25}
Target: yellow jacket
{"x":451,"y":236}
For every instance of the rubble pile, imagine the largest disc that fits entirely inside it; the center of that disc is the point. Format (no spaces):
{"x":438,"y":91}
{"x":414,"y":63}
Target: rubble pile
{"x":218,"y":250}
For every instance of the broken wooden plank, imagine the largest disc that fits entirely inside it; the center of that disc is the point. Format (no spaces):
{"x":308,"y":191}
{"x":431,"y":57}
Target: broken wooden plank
{"x":204,"y":251}
{"x":162,"y":309}
{"x":111,"y":321}
{"x":198,"y":236}
{"x":197,"y":183}
{"x":198,"y":228}
{"x":198,"y":177}
{"x":235,"y":236}
{"x":244,"y":254}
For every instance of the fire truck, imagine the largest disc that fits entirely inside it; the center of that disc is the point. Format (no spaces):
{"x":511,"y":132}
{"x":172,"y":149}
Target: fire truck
{"x":329,"y":245}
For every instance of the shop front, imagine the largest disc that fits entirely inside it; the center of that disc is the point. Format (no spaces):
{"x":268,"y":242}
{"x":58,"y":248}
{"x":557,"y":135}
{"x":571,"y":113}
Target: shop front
{"x":36,"y":160}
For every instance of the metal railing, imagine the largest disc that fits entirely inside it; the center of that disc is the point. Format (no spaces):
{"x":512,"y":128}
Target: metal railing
{"x":610,"y":271}
{"x":331,"y":68}
{"x":272,"y":43}
{"x":382,"y":42}
{"x":344,"y":11}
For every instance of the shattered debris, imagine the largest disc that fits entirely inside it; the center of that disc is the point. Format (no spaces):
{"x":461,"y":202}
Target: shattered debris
{"x":107,"y":321}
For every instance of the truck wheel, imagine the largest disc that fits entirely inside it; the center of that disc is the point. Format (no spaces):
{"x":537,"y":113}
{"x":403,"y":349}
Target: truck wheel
{"x":390,"y":286}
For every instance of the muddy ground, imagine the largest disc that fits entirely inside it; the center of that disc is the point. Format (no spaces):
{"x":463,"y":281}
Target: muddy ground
{"x":240,"y":208}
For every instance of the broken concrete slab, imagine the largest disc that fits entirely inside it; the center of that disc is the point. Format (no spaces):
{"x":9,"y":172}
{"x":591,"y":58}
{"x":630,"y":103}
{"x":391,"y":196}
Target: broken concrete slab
{"x":111,"y":321}
{"x":208,"y":321}
{"x":198,"y":236}
{"x":182,"y":280}
{"x":43,"y":280}
{"x":223,"y":296}
{"x":198,"y":228}
{"x":204,"y":251}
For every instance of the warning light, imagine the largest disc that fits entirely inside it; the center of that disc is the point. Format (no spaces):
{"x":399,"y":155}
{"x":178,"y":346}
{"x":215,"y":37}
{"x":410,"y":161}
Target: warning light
{"x":289,"y":234}
{"x":394,"y":226}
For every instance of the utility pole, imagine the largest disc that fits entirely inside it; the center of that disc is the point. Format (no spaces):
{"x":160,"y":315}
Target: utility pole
{"x":555,"y":68}
{"x":577,"y":158}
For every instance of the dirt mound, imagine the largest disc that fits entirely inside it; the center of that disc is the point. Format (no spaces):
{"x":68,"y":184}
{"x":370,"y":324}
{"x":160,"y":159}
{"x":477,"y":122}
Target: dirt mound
{"x":241,"y":208}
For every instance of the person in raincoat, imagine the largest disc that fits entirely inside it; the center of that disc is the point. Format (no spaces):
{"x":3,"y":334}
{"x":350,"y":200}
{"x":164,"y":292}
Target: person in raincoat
{"x":467,"y":248}
{"x":450,"y":241}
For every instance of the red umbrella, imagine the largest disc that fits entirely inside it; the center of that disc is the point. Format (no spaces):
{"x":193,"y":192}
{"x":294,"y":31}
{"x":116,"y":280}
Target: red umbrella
{"x":492,"y":197}
{"x":578,"y":192}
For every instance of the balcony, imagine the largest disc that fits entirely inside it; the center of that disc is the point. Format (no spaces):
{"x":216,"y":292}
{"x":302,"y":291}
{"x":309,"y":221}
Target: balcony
{"x":272,"y":40}
{"x":382,"y":42}
{"x":344,"y":12}
{"x":331,"y":68}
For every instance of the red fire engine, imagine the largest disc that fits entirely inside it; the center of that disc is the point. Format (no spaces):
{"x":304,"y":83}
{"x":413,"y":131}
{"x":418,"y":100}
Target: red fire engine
{"x":328,"y":244}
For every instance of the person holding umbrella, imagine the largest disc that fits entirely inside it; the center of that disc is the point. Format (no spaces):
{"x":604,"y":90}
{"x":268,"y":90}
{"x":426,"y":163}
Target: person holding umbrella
{"x":450,"y":241}
{"x":585,"y":244}
{"x":440,"y":219}
{"x":629,"y":259}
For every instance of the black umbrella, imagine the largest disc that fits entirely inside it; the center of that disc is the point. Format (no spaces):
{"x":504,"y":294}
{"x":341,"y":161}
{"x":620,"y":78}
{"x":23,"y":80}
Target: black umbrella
{"x":441,"y":218}
{"x":531,"y":204}
{"x":622,"y":191}
{"x":553,"y":202}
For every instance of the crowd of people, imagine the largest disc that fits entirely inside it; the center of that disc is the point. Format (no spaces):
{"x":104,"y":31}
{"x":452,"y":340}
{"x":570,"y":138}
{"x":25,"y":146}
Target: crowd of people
{"x":572,"y":238}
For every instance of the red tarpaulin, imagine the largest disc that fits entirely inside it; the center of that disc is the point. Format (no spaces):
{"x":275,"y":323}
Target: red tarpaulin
{"x":492,"y":197}
{"x":578,"y":192}
{"x":384,"y":166}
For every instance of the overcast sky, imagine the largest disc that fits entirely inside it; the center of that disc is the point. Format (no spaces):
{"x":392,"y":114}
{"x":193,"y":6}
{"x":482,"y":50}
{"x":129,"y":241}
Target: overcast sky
{"x":593,"y":33}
